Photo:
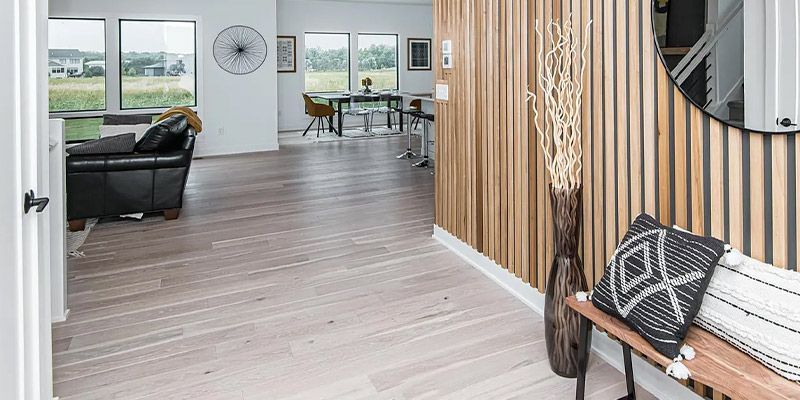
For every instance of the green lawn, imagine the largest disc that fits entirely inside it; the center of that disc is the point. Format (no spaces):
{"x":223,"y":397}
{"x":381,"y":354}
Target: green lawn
{"x":77,"y":94}
{"x":383,"y":79}
{"x":157,"y":92}
{"x":330,"y":81}
{"x":80,"y":129}
{"x":88,"y":94}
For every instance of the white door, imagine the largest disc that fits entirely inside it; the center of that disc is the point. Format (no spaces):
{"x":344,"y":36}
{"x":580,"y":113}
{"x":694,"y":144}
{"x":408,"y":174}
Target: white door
{"x":772,"y":87}
{"x":25,"y":355}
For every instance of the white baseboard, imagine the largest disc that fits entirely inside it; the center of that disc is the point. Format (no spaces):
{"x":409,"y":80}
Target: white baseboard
{"x":60,"y":318}
{"x":650,"y":378}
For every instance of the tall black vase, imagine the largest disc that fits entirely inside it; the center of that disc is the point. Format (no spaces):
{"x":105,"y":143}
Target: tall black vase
{"x":565,"y":278}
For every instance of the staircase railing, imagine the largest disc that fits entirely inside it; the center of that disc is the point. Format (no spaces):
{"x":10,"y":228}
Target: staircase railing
{"x":704,"y":46}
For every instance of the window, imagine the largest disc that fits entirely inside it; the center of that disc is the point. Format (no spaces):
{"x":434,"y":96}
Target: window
{"x":327,"y":62}
{"x":157,"y":62}
{"x":377,"y":60}
{"x":76,"y":64}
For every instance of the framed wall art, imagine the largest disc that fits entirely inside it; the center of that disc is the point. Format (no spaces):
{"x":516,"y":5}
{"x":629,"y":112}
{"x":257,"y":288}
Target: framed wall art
{"x":287,"y":53}
{"x":419,"y":54}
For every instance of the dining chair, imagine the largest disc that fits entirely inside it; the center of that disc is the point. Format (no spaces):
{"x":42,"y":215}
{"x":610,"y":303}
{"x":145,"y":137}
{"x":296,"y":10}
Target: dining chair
{"x":358,"y":110}
{"x":320,"y":112}
{"x":385,"y":101}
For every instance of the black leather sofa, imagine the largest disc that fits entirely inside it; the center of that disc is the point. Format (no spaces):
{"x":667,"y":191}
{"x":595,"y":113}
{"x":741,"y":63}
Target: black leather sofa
{"x":107,"y":185}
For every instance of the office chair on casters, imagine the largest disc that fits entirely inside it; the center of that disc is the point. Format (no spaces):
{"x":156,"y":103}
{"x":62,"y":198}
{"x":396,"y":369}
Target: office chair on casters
{"x":320,"y":112}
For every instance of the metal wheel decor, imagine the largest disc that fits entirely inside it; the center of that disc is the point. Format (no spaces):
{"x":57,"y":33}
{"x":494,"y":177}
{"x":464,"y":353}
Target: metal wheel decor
{"x":240,"y":50}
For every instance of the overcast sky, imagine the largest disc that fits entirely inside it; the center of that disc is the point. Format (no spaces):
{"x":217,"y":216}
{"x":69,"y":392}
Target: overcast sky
{"x":329,"y":42}
{"x":139,"y":36}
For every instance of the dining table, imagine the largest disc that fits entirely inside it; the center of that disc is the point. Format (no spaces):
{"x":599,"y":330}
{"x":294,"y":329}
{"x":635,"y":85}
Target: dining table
{"x":340,"y":99}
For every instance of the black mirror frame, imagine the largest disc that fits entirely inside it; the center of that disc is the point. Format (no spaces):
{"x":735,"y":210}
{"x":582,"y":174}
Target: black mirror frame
{"x":691,"y":100}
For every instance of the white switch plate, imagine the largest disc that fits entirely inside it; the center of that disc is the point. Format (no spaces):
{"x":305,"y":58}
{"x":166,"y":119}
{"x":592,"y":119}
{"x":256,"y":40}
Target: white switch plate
{"x":442,"y":92}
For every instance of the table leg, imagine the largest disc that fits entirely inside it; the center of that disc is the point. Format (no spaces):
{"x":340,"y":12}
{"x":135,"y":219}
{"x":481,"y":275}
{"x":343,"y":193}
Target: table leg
{"x":389,"y":114}
{"x":340,"y":118}
{"x":401,"y":118}
{"x":330,"y":119}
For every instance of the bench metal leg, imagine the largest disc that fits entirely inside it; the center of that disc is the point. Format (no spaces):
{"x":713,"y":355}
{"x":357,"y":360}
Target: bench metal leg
{"x":583,"y":356}
{"x":626,"y":354}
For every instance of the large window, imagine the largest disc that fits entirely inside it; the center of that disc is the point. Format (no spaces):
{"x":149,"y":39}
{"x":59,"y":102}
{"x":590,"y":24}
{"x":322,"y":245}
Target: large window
{"x":157,"y":62}
{"x":327,"y":62}
{"x":377,"y":60}
{"x":76,"y":64}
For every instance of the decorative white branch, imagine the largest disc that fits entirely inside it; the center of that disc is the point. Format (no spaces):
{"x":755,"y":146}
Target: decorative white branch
{"x":560,"y":80}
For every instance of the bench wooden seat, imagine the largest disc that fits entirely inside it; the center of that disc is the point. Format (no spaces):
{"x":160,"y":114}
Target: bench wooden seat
{"x":717,"y":364}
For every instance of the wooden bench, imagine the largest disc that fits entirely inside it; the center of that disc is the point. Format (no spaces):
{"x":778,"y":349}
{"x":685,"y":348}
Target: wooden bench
{"x":717,"y":364}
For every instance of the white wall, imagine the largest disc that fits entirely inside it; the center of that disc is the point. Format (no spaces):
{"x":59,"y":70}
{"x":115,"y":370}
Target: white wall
{"x":239,"y":112}
{"x":295,"y":17}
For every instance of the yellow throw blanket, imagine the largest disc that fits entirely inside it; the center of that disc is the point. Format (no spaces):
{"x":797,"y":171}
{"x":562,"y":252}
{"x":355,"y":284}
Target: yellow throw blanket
{"x":193,"y":120}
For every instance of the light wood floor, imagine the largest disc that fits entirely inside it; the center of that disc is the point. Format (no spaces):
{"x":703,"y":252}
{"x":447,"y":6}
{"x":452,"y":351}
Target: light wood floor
{"x":304,"y":274}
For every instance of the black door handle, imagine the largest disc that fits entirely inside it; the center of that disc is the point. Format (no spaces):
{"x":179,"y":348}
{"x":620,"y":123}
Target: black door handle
{"x":32,"y":201}
{"x":786,"y":122}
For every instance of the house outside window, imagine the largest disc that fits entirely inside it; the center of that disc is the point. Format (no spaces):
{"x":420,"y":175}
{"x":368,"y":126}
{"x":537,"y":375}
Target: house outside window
{"x":157,"y":60}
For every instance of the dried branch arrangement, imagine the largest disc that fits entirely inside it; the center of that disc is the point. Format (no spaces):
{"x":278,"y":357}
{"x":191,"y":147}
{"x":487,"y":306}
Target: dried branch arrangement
{"x":561,"y":82}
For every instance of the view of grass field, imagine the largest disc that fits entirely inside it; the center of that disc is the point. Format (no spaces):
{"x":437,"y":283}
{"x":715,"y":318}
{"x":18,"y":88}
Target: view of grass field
{"x":157,"y":91}
{"x":81,"y":129}
{"x":88,"y":94}
{"x":381,"y":79}
{"x":77,"y":94}
{"x":331,"y":81}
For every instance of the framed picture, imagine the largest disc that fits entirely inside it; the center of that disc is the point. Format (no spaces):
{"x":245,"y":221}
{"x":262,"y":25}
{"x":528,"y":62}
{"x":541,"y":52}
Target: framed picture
{"x":419,"y":54}
{"x":287,"y":53}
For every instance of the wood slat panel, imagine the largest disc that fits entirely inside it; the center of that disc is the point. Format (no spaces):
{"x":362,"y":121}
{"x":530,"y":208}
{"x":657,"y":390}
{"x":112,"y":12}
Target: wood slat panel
{"x":780,"y":230}
{"x":646,"y":149}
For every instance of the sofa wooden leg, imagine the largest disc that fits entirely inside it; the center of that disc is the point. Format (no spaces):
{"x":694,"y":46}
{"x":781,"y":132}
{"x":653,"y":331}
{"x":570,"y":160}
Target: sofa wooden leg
{"x":77,"y":225}
{"x":172,"y":214}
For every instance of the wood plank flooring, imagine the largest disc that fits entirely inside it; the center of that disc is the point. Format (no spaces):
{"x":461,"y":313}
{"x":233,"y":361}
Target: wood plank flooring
{"x":308,"y":273}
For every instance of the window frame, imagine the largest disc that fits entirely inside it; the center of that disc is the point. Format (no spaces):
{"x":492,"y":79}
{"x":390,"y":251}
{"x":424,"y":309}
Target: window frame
{"x":119,"y":69}
{"x":105,"y":58}
{"x":349,"y":60}
{"x":396,"y":55}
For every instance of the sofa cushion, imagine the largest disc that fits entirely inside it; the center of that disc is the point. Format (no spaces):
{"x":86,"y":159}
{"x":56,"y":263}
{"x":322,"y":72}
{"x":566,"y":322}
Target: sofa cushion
{"x":123,"y":119}
{"x":114,"y":130}
{"x":656,"y":281}
{"x":119,"y":144}
{"x":164,"y":135}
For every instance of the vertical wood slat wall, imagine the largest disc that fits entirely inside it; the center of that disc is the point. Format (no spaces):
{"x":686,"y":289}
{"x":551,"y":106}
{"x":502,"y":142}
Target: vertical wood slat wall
{"x":646,"y":149}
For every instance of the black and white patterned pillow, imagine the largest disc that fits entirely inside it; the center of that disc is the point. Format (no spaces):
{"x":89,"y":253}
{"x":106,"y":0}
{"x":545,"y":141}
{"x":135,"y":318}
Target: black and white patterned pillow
{"x":119,"y":144}
{"x":656,"y":280}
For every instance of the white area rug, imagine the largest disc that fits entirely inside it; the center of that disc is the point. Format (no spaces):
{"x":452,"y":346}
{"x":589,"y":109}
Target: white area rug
{"x":296,"y":137}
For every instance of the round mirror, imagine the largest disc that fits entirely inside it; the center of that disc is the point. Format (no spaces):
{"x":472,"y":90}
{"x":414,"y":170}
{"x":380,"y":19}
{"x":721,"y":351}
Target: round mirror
{"x":739,"y":60}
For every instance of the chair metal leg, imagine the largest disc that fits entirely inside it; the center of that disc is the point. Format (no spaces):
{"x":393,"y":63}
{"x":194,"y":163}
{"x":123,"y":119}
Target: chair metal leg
{"x":319,"y":123}
{"x":332,"y":128}
{"x":424,"y":163}
{"x":309,"y":126}
{"x":583,"y":357}
{"x":408,"y":154}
